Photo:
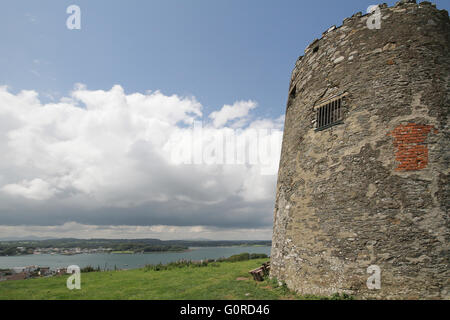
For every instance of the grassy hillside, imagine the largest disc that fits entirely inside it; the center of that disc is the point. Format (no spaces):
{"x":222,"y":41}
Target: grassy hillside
{"x":225,"y":280}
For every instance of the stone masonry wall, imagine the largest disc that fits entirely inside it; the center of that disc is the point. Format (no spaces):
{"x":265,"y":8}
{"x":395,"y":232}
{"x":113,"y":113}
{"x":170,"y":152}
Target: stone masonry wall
{"x":375,"y":189}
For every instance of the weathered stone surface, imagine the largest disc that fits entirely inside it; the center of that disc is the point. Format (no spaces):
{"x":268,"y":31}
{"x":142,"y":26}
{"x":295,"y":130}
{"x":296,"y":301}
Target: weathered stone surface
{"x":375,"y":189}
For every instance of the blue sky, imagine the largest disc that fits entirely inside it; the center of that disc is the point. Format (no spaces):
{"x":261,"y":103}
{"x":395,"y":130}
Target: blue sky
{"x":217,"y":51}
{"x":109,"y":169}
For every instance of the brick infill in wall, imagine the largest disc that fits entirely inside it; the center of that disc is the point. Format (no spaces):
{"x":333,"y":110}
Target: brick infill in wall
{"x":412,"y":149}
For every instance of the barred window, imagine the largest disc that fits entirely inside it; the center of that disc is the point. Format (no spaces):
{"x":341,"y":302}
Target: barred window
{"x":329,"y":114}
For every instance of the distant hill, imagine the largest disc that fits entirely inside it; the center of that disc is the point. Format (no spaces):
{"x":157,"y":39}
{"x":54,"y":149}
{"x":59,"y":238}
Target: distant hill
{"x":19,"y":247}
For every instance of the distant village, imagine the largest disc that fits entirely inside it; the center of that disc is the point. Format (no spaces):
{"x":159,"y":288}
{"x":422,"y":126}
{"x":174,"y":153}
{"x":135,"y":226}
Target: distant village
{"x":64,"y":251}
{"x":22,"y":273}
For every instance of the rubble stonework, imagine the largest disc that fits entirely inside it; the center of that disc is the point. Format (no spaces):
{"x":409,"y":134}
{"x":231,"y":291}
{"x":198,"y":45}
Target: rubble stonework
{"x":373,"y":190}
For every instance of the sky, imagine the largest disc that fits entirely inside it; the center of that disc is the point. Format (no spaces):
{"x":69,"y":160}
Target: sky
{"x":99,"y":127}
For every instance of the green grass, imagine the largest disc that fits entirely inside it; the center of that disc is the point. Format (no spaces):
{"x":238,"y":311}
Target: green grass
{"x":215,"y":281}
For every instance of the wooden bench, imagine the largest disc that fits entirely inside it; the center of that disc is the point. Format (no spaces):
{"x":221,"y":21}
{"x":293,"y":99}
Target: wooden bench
{"x":259,"y":273}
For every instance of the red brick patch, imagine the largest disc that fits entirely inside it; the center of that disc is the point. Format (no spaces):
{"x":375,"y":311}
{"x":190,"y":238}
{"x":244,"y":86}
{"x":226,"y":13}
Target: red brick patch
{"x":412,"y":150}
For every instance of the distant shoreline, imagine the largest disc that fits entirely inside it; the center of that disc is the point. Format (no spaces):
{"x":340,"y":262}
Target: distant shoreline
{"x":133,"y":252}
{"x":115,"y":246}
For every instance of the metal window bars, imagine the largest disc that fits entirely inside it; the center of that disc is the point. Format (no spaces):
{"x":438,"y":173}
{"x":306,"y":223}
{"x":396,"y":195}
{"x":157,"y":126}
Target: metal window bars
{"x":329,"y":114}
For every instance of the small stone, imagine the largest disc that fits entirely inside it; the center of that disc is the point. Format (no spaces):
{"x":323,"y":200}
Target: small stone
{"x":340,"y":59}
{"x":378,"y":50}
{"x":389,"y":46}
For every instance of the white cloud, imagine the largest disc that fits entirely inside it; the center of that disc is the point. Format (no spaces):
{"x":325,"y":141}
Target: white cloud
{"x":36,"y":189}
{"x":82,"y":231}
{"x":101,"y":150}
{"x":239,"y":110}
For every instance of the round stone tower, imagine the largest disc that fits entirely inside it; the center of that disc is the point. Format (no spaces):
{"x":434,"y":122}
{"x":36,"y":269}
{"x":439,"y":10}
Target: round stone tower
{"x":364,"y":171}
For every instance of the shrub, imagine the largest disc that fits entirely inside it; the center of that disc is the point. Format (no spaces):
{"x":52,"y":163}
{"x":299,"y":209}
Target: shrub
{"x":204,"y":263}
{"x":177,"y":265}
{"x":244,"y":257}
{"x":258,"y":256}
{"x":90,"y":269}
{"x":239,"y":257}
{"x":344,"y":296}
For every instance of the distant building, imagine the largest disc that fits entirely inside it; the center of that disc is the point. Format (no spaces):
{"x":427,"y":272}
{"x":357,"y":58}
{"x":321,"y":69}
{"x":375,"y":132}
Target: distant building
{"x":44,"y":271}
{"x":61,"y":271}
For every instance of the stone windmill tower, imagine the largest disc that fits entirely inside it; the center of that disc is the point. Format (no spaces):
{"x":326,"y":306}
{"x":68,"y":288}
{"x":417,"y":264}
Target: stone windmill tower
{"x":364,"y":170}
